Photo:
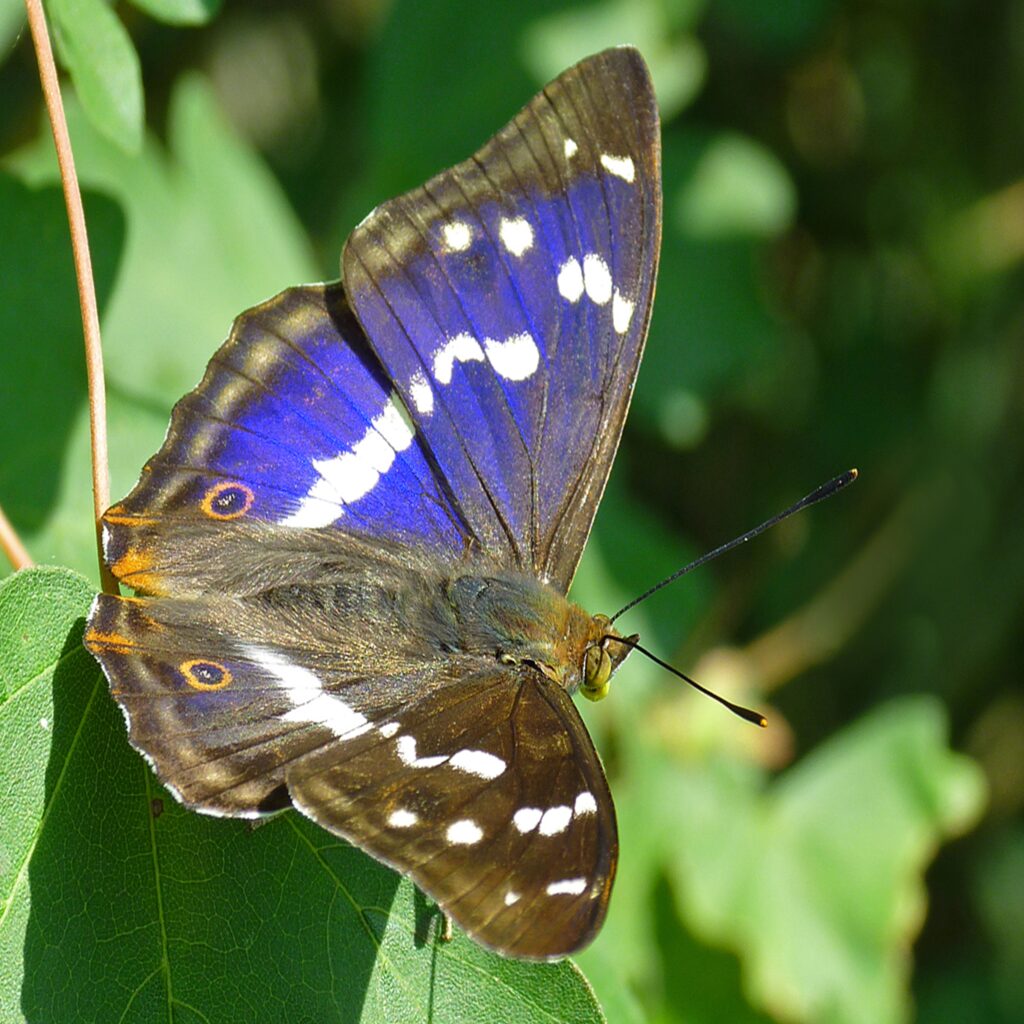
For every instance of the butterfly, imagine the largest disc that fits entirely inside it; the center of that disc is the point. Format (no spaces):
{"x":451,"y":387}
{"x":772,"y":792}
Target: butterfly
{"x":352,"y":553}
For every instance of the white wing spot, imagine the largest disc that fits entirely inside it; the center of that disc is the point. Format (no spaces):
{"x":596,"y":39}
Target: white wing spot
{"x":463,"y":348}
{"x":464,"y":832}
{"x":569,"y":147}
{"x":516,"y":234}
{"x":305,"y":690}
{"x":526,"y":818}
{"x":555,"y":820}
{"x":622,"y":312}
{"x":44,"y":723}
{"x":394,"y":425}
{"x":403,"y":818}
{"x":585,"y":804}
{"x":406,"y":747}
{"x":422,"y":394}
{"x":621,"y":166}
{"x":597,"y":278}
{"x":511,"y":897}
{"x":351,"y":475}
{"x":515,"y":358}
{"x":320,"y":507}
{"x":388,"y":729}
{"x":570,"y":280}
{"x":567,"y":886}
{"x":479,"y":763}
{"x":457,"y":236}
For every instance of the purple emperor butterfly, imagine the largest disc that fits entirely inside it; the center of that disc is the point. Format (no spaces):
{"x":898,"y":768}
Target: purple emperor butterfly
{"x":353,"y":549}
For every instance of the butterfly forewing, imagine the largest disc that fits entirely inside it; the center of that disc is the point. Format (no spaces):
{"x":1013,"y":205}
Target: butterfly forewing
{"x":354,"y":545}
{"x":508,"y":298}
{"x":294,"y":423}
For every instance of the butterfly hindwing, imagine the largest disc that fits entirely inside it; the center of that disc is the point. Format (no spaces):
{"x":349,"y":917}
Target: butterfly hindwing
{"x":508,"y":299}
{"x":491,"y":798}
{"x":480,"y":782}
{"x":294,"y":423}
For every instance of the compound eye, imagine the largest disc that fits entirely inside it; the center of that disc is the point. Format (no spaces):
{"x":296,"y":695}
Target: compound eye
{"x":597,"y":671}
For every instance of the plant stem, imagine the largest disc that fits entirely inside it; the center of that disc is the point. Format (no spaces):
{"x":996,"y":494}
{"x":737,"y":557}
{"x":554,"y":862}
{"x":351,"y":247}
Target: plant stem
{"x":83,"y":272}
{"x":11,"y":545}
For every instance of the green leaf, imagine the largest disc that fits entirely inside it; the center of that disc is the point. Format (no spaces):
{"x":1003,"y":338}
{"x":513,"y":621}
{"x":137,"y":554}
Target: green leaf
{"x":117,"y":904}
{"x":205,"y":234}
{"x":180,"y":12}
{"x":104,"y":66}
{"x":818,"y":883}
{"x":738,"y":189}
{"x":42,"y":372}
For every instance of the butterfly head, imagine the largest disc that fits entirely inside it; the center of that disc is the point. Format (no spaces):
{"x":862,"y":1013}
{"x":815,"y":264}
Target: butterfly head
{"x":602,"y":656}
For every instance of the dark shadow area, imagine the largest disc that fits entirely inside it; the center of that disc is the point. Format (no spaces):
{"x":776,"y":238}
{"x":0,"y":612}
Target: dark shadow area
{"x":42,"y":366}
{"x":429,"y":920}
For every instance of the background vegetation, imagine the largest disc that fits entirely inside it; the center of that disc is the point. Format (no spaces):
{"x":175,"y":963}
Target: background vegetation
{"x":841,"y":285}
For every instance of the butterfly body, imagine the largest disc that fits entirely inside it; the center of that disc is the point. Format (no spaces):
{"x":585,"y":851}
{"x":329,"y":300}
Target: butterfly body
{"x":352,"y":554}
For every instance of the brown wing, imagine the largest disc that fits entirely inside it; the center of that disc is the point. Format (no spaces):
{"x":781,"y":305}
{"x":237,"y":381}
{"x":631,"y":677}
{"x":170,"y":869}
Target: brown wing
{"x":479,"y":783}
{"x":490,"y":796}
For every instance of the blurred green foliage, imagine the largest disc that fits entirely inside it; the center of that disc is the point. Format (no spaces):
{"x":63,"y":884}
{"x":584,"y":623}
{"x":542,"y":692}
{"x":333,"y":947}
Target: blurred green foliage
{"x":841,"y":284}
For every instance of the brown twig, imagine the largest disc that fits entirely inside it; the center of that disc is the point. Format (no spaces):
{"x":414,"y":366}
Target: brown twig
{"x":83,"y":272}
{"x":11,"y":545}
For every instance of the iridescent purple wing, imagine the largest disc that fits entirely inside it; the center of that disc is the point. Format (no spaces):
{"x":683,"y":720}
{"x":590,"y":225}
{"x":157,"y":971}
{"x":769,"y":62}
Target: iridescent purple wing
{"x":294,"y":423}
{"x":508,"y":299}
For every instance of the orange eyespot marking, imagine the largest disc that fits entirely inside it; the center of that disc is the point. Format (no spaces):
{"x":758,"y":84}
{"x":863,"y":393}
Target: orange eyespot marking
{"x":98,"y":640}
{"x":205,"y":675}
{"x":227,"y":500}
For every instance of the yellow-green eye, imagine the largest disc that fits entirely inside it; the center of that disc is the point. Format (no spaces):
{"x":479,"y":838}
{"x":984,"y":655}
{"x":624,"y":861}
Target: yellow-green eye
{"x":597,"y":671}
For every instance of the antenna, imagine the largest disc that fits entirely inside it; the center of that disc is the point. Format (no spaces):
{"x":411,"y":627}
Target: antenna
{"x":820,"y":494}
{"x":745,"y":713}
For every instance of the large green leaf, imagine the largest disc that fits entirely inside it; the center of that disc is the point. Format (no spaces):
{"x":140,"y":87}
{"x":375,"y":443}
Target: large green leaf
{"x":817,"y":881}
{"x":94,"y":46}
{"x":117,"y":904}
